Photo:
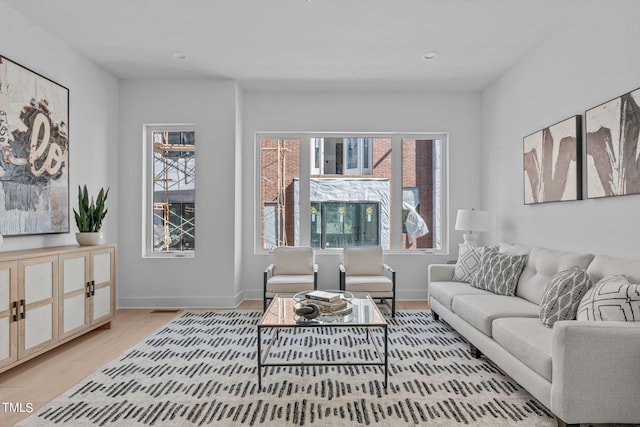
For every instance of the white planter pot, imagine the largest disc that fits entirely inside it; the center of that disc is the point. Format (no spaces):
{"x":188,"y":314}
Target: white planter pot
{"x":89,"y":238}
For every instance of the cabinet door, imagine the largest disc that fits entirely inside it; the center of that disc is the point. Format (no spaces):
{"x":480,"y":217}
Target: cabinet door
{"x":8,"y":310}
{"x":103,"y":284}
{"x":38,"y":288}
{"x":73,"y":293}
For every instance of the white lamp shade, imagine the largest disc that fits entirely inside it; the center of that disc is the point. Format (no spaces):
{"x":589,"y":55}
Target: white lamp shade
{"x":472,"y":220}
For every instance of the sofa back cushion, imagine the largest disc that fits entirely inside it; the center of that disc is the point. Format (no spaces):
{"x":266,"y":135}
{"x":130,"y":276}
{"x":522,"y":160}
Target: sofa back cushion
{"x":603,"y":266}
{"x":542,"y":265}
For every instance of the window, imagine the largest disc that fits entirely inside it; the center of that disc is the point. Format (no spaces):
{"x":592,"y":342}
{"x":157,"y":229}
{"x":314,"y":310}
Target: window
{"x":170,"y":204}
{"x":334,"y":191}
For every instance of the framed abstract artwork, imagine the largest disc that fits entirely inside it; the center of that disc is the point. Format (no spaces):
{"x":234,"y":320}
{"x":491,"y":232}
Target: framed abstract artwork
{"x":552,"y":163}
{"x":34,"y":145}
{"x":613,"y":159}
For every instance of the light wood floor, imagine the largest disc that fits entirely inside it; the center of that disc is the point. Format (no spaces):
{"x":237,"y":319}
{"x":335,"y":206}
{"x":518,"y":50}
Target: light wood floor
{"x":42,"y":379}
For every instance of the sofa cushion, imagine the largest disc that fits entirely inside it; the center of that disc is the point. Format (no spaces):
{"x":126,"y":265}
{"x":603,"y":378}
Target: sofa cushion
{"x":528,"y":340}
{"x":612,"y":298}
{"x":563,"y":295}
{"x":541,"y":266}
{"x":468,"y":262}
{"x":481,"y":310}
{"x":444,"y":292}
{"x":603,"y":266}
{"x":498,"y":272}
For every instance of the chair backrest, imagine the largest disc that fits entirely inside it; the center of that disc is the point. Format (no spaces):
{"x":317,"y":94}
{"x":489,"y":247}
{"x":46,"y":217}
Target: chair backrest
{"x":292,"y":260}
{"x":363,"y":261}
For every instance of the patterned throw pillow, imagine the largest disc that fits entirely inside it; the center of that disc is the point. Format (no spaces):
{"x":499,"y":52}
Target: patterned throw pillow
{"x":612,"y":298}
{"x":563,"y":295}
{"x":468,"y":262}
{"x":499,"y":273}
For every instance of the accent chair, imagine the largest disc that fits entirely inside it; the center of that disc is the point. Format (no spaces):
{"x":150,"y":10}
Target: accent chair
{"x":363,"y":271}
{"x":293,"y":270}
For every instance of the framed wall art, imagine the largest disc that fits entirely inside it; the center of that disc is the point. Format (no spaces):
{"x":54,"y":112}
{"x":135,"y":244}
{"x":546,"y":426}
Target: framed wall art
{"x":34,"y":144}
{"x":552,"y":164}
{"x":613,"y":159}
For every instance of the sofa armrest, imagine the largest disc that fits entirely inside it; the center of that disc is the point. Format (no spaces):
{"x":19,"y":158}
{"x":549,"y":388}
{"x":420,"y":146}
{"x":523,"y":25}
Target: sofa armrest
{"x":440,"y":272}
{"x":595,"y":374}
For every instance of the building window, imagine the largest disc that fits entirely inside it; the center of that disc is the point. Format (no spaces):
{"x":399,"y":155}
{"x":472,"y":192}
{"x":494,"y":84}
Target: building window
{"x":171,"y":204}
{"x":345,"y":196}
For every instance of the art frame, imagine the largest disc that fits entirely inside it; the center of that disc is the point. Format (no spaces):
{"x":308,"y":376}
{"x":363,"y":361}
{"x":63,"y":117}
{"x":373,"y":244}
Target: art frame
{"x":612,"y":144}
{"x":34,"y":147}
{"x":552,"y":163}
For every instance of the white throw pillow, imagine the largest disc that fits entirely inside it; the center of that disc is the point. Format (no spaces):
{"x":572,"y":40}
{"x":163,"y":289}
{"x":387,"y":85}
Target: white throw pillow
{"x":612,"y":298}
{"x":468,"y":262}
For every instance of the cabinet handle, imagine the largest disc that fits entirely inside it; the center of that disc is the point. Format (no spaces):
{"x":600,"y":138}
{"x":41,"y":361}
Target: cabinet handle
{"x":93,"y":287}
{"x":88,"y":289}
{"x":24,"y":309}
{"x":15,"y":315}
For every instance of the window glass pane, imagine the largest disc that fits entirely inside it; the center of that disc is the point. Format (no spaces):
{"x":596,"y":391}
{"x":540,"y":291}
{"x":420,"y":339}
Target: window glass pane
{"x":173,"y":191}
{"x":352,"y":153}
{"x":279,"y":175}
{"x":421,"y":194}
{"x":365,"y":200}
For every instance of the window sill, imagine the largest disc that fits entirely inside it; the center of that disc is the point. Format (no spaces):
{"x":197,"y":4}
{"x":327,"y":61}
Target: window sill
{"x":166,"y":255}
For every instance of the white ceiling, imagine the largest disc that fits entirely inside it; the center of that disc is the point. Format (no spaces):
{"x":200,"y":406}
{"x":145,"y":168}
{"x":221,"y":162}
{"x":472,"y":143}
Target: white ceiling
{"x":302,"y":44}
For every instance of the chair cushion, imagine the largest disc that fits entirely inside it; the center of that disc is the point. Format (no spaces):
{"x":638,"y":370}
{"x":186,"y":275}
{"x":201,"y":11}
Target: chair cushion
{"x":444,"y":292}
{"x":292,"y":260}
{"x":363,"y":261}
{"x":528,"y":340}
{"x":481,"y":310}
{"x":289,"y":284}
{"x":498,"y":272}
{"x":368,"y":284}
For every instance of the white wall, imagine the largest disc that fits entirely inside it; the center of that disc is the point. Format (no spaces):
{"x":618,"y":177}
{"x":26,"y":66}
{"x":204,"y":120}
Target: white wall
{"x":590,"y":60}
{"x":209,"y":279}
{"x":456,"y":113}
{"x":93,"y":118}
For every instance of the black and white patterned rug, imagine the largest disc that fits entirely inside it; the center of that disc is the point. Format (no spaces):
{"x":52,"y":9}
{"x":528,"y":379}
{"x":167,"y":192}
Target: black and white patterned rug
{"x":201,"y":369}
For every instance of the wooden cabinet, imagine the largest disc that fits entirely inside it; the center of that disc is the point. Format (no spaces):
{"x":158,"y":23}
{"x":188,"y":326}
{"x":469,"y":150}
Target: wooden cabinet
{"x":50,"y":296}
{"x":87,"y":293}
{"x":9,"y":313}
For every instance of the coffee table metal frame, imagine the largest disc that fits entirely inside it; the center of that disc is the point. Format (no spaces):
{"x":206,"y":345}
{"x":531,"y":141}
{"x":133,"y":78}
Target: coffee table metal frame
{"x":280,"y":315}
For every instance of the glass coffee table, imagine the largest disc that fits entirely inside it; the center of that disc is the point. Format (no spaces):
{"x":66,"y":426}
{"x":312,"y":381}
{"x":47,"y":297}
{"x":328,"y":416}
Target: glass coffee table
{"x":364,"y":317}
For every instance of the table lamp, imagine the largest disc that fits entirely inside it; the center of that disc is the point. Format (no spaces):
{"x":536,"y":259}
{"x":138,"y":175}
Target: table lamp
{"x":470,"y":220}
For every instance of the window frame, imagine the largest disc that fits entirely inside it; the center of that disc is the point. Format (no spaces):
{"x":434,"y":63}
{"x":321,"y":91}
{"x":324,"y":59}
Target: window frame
{"x":306,"y":163}
{"x":148,"y":189}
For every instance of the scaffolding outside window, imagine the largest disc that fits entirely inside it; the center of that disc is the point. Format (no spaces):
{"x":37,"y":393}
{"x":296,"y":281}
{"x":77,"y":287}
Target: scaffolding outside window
{"x":172,"y":208}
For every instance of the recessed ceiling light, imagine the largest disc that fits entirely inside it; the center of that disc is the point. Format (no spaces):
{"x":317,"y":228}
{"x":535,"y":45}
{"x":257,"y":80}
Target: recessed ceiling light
{"x":430,"y":55}
{"x":179,"y":55}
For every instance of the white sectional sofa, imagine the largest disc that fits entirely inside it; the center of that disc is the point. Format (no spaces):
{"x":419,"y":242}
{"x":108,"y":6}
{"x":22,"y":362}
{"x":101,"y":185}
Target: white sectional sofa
{"x":583,"y":371}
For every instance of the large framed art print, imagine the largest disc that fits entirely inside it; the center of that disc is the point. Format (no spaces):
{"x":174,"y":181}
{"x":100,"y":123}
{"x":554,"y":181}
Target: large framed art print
{"x":34,"y":145}
{"x":613,"y":147}
{"x":552,"y":163}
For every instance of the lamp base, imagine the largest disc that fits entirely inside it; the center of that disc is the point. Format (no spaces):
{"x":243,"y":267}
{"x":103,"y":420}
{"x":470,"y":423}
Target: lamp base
{"x":470,"y":239}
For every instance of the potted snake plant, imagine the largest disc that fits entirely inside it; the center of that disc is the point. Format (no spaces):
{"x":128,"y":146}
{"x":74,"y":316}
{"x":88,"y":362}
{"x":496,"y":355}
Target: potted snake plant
{"x":89,"y":216}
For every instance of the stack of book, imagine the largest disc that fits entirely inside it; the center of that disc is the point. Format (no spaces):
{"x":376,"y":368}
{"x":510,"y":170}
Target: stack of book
{"x":329,"y":302}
